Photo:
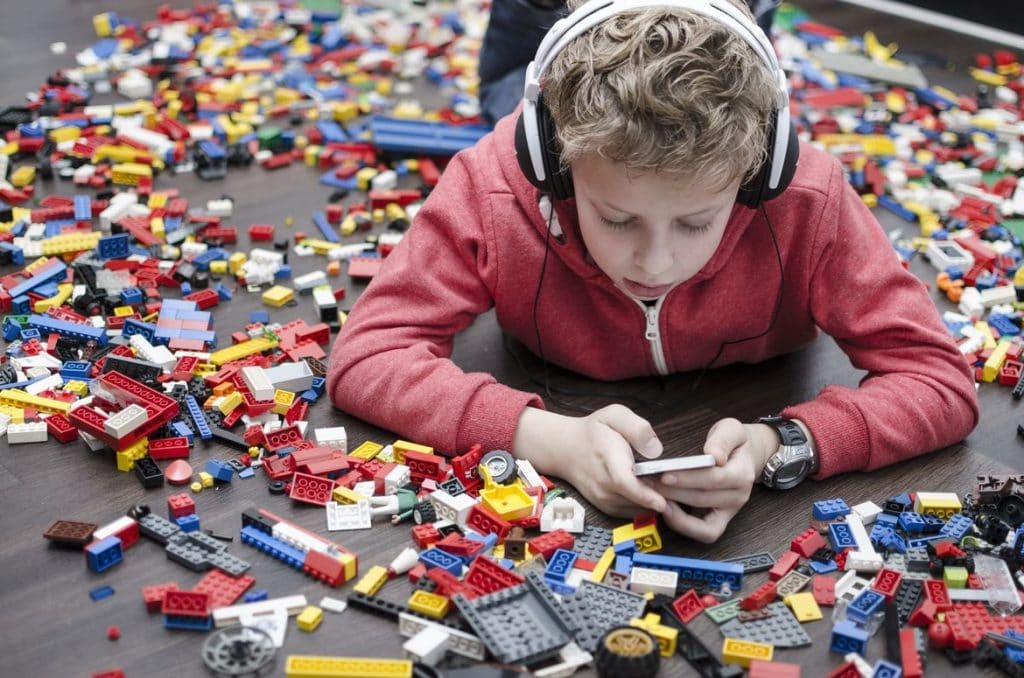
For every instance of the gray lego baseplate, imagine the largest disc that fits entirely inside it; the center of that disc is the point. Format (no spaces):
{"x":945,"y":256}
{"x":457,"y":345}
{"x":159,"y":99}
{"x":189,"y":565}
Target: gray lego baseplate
{"x":598,"y":608}
{"x":781,"y":629}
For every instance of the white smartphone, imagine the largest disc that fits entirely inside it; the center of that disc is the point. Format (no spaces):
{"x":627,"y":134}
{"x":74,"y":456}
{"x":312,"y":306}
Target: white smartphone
{"x":648,"y":468}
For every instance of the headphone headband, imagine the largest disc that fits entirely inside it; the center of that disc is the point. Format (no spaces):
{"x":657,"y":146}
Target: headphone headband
{"x":594,"y":12}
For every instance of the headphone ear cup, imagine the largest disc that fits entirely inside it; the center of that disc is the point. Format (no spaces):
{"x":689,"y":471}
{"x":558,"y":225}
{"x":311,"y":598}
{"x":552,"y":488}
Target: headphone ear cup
{"x":523,"y":156}
{"x":789,"y":165}
{"x":560,"y":180}
{"x":756,"y":191}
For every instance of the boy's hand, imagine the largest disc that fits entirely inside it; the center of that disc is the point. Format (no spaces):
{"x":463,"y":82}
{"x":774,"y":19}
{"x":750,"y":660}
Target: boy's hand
{"x":713,"y":496}
{"x":594,"y":453}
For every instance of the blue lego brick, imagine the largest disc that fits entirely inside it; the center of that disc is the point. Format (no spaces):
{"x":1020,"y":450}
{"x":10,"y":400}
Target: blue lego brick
{"x":713,"y":572}
{"x":21,"y":305}
{"x":259,"y":317}
{"x":922,"y":542}
{"x":320,"y":221}
{"x":212,"y":150}
{"x":866,"y":604}
{"x":956,"y":527}
{"x":848,"y":637}
{"x":132,"y":326}
{"x":223,"y":292}
{"x":219,"y":470}
{"x":247,"y":473}
{"x":104,"y":554}
{"x":886,"y":669}
{"x":489,"y":540}
{"x":182,"y":429}
{"x":131,"y":296}
{"x":1003,"y":324}
{"x":898,"y":504}
{"x":68,"y":329}
{"x":421,"y":137}
{"x":11,"y":329}
{"x":187,"y":623}
{"x":435,"y":557}
{"x":318,"y":385}
{"x":76,"y":369}
{"x":911,"y":522}
{"x":101,"y":592}
{"x":198,"y":418}
{"x":932,"y":524}
{"x":53,"y":271}
{"x":188,"y":523}
{"x":896,"y":208}
{"x":627,"y":547}
{"x":83,"y":207}
{"x":623,"y":564}
{"x":186,"y":288}
{"x":30,"y":333}
{"x":276,"y":548}
{"x":887,"y":519}
{"x":822,"y":568}
{"x":331,"y":131}
{"x":559,"y":587}
{"x":829,"y":509}
{"x":329,"y":178}
{"x":560,"y":565}
{"x":256,"y":596}
{"x":886,"y":539}
{"x":16,"y":253}
{"x":283,"y":272}
{"x":841,"y":537}
{"x":310,"y":396}
{"x":113,"y":246}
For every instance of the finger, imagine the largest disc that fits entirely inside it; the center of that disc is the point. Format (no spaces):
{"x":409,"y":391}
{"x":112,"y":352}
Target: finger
{"x":702,"y":498}
{"x":706,"y":529}
{"x":618,"y":462}
{"x":733,"y":475}
{"x":724,"y":437}
{"x":637,"y":431}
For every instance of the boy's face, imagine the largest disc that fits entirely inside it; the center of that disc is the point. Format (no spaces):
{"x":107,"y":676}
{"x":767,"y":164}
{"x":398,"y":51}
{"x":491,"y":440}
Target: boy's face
{"x":648,"y":232}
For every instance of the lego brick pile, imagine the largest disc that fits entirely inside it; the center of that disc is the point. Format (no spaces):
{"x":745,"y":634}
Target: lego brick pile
{"x":113,"y":279}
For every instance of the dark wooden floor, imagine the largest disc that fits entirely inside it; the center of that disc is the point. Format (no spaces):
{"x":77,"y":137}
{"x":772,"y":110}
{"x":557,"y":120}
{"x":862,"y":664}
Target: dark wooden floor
{"x":49,"y":626}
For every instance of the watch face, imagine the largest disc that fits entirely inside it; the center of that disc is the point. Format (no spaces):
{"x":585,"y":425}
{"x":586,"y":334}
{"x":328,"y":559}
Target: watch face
{"x":794,"y":465}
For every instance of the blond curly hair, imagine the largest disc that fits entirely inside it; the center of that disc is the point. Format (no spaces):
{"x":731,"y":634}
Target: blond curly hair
{"x":663,"y":90}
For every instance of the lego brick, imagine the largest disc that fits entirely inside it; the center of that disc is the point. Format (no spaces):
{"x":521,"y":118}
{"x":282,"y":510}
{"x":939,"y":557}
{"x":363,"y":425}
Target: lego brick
{"x":848,"y":637}
{"x":781,"y":629}
{"x":222,"y":589}
{"x":742,"y":652}
{"x":313,"y":666}
{"x":755,"y":562}
{"x":70,"y":533}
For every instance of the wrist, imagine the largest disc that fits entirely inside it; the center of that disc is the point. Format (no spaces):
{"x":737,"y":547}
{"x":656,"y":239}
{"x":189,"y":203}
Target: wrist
{"x":766,"y":442}
{"x":532,"y":441}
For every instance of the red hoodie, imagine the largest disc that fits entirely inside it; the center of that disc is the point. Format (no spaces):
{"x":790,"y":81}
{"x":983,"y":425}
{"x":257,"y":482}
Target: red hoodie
{"x":478,"y":243}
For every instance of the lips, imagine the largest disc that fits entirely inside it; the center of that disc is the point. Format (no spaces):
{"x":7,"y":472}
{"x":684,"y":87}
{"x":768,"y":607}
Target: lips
{"x":646,"y":291}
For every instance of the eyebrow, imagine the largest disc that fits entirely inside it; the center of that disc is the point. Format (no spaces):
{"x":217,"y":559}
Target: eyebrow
{"x":681,"y":216}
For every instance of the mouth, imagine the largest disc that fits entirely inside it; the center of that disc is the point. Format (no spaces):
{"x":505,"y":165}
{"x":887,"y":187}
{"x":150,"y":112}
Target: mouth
{"x":645,"y":291}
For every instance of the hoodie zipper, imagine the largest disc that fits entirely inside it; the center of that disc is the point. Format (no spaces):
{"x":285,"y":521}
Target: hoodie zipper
{"x":653,"y":333}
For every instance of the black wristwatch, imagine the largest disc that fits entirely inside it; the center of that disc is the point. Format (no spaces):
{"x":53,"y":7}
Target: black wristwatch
{"x":793,"y":461}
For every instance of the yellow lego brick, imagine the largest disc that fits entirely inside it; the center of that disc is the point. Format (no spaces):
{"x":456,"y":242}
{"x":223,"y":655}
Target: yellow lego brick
{"x":130,"y":173}
{"x":70,"y":242}
{"x":230,"y":402}
{"x":219,"y":267}
{"x":121,"y":311}
{"x":805,"y":607}
{"x":320,"y":246}
{"x":986,"y":333}
{"x":367,"y":450}
{"x":741,"y":652}
{"x":283,"y":401}
{"x":127,"y":457}
{"x":876,"y":50}
{"x":990,"y":372}
{"x":10,"y":148}
{"x":647,"y":538}
{"x":313,"y":666}
{"x":604,"y":563}
{"x":364,"y":176}
{"x":197,"y":487}
{"x":278,"y":295}
{"x":402,"y":446}
{"x":157,"y":227}
{"x":236,"y":261}
{"x":895,"y":103}
{"x":76,"y":386}
{"x":102,"y":24}
{"x":206,"y":479}
{"x":311,"y":155}
{"x":16,"y":414}
{"x":63,"y":294}
{"x":622,"y":533}
{"x":429,"y":604}
{"x":242,"y":350}
{"x":508,"y":501}
{"x":156,"y":200}
{"x":348,"y":225}
{"x":309,"y":618}
{"x":15,"y":397}
{"x":872,"y":144}
{"x":665,"y":635}
{"x":371,"y":582}
{"x":23,"y":176}
{"x":870,"y":200}
{"x":942,"y":504}
{"x":343,"y":495}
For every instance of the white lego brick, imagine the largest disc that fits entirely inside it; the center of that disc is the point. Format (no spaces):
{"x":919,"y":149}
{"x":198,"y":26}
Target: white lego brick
{"x":273,"y":623}
{"x":265,"y":257}
{"x":127,"y":420}
{"x":459,"y":642}
{"x":867,"y":511}
{"x":5,"y":420}
{"x":44,"y":360}
{"x":1003,"y":294}
{"x":334,"y":437}
{"x":159,"y":355}
{"x":562,"y":513}
{"x":258,"y":384}
{"x":333,"y":605}
{"x":971,"y":304}
{"x":863,"y":562}
{"x":112,"y":528}
{"x":347,"y":251}
{"x":294,"y":377}
{"x":860,"y":535}
{"x":299,"y":538}
{"x":397,"y":477}
{"x":571,"y":658}
{"x":447,"y":507}
{"x":53,"y":381}
{"x":528,"y":474}
{"x":367,"y":488}
{"x":944,"y":254}
{"x":859,"y":663}
{"x":31,"y":432}
{"x":221,"y":207}
{"x":226,"y":616}
{"x":192,"y":250}
{"x":310,"y":280}
{"x":94,"y":444}
{"x":348,"y":516}
{"x":428,"y":646}
{"x":648,"y":580}
{"x":323,"y":298}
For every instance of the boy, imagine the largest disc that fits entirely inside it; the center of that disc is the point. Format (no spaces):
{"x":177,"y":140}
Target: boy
{"x":683,"y":235}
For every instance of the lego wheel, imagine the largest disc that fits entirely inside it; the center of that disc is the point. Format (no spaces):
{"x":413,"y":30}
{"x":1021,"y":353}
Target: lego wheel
{"x":238,"y":651}
{"x":1011,"y":511}
{"x":627,"y":652}
{"x":501,"y":465}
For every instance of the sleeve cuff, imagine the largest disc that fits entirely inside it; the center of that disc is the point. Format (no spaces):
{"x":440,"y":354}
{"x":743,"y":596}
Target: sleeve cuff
{"x":840,"y":433}
{"x":492,"y":415}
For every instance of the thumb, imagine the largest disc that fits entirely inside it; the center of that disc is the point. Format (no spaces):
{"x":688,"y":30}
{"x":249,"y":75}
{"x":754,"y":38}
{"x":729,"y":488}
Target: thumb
{"x":724,"y":437}
{"x":637,"y":431}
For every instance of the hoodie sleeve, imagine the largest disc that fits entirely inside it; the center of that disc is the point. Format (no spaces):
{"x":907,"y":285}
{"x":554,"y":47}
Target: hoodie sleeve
{"x":918,"y":394}
{"x":391,"y":362}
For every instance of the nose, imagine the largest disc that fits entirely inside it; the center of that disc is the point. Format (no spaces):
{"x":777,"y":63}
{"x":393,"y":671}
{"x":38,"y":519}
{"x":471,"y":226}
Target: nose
{"x":653,"y":256}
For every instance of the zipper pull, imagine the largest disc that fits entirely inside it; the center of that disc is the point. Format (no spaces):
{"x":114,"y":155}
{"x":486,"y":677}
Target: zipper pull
{"x":652,"y":322}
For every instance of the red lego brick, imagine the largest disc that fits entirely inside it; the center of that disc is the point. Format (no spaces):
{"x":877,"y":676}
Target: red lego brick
{"x":186,"y":604}
{"x":278,"y":468}
{"x":687,"y":606}
{"x":937,"y":593}
{"x":169,"y":448}
{"x":425,"y":466}
{"x":823,"y":588}
{"x":763,"y":595}
{"x":487,"y":576}
{"x":924,"y":615}
{"x":547,"y":544}
{"x":179,"y":505}
{"x":457,"y":545}
{"x":204,"y":298}
{"x":153,"y":595}
{"x":311,"y":489}
{"x":887,"y":582}
{"x":323,"y":567}
{"x":763,"y":669}
{"x":109,"y":673}
{"x":808,"y":542}
{"x":425,"y":536}
{"x":221,"y":588}
{"x":912,"y":667}
{"x":786,"y":562}
{"x":448,"y":584}
{"x":60,"y":426}
{"x":484,"y":521}
{"x":464,"y":467}
{"x":846,"y":670}
{"x":283,"y":437}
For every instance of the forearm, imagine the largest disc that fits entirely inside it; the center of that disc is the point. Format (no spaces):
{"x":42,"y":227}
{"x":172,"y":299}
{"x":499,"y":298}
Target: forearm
{"x":536,"y":439}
